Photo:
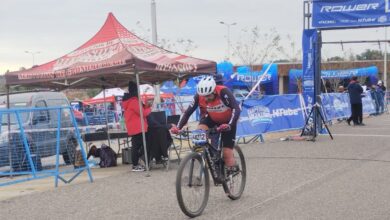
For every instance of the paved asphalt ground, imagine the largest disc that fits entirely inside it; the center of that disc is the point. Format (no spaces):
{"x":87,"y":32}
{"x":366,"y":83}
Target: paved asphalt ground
{"x":347,"y":178}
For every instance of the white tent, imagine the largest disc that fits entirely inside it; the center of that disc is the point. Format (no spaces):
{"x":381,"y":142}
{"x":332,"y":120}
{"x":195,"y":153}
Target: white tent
{"x":145,"y":89}
{"x":110,"y":92}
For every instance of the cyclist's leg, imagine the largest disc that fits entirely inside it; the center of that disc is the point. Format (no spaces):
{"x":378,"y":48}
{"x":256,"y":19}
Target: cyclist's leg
{"x":206,"y":123}
{"x":228,"y":142}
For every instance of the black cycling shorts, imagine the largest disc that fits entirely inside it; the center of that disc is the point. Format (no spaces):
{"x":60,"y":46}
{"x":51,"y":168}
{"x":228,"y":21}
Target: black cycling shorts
{"x":228,"y":138}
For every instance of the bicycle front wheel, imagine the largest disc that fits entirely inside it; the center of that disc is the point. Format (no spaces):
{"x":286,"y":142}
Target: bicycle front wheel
{"x":192,"y":185}
{"x":234,"y":184}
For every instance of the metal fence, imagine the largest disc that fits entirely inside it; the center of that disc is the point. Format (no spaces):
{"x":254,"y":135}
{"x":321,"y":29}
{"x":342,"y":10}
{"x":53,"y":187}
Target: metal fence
{"x":38,"y":143}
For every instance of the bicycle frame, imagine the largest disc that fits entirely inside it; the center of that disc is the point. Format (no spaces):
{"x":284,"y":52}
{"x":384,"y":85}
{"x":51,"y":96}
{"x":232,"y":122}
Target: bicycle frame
{"x":206,"y":158}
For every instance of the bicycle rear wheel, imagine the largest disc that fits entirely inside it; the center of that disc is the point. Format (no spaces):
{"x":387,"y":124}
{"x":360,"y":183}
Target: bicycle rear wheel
{"x":192,"y":185}
{"x":234,"y":184}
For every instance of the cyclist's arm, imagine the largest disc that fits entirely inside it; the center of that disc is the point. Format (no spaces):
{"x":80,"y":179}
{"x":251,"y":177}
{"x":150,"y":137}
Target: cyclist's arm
{"x":184,"y":118}
{"x":229,"y":100}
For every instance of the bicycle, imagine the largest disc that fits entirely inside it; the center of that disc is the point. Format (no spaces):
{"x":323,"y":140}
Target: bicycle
{"x":193,"y":174}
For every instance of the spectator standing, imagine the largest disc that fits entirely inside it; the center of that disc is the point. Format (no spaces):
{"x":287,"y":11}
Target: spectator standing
{"x":132,"y":117}
{"x":375,"y":98}
{"x":381,"y":90}
{"x":355,"y":91}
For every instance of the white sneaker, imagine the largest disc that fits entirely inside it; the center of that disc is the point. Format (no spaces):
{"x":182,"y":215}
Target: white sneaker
{"x":138,"y":168}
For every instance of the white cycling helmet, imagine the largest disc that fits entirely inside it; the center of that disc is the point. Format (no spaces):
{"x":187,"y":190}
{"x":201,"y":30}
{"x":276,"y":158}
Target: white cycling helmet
{"x":206,"y":86}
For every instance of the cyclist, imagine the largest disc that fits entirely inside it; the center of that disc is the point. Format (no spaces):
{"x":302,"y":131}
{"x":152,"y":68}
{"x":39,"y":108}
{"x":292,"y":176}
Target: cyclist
{"x":218,"y":107}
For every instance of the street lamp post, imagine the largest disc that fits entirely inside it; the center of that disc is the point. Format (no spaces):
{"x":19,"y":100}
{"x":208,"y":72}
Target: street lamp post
{"x":154,"y":22}
{"x":33,"y":55}
{"x":228,"y":36}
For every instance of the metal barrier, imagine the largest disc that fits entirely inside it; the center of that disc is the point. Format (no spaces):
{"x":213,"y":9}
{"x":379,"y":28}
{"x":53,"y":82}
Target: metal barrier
{"x":32,"y":140}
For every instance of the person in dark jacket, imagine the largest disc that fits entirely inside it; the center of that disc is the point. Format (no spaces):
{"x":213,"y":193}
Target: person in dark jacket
{"x":375,"y":98}
{"x":132,"y":117}
{"x":381,"y":91}
{"x":106,"y":154}
{"x":355,"y":91}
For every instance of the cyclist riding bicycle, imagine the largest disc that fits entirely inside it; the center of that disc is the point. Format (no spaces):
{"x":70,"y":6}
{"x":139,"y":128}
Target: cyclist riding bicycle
{"x":218,"y":107}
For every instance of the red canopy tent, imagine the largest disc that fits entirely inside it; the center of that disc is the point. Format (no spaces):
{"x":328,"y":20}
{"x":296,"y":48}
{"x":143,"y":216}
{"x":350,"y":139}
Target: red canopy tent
{"x":110,"y":59}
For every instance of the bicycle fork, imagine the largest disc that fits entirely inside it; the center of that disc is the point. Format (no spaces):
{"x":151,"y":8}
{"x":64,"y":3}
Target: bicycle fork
{"x":201,"y":172}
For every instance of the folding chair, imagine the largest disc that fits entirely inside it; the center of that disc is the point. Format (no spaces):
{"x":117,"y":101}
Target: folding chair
{"x":174,"y":119}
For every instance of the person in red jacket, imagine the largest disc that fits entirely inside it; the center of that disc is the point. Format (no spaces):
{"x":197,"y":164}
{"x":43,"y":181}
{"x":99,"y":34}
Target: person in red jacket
{"x":133,"y":123}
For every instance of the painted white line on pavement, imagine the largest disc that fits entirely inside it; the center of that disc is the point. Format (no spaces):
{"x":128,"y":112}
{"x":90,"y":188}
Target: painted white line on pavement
{"x":359,"y":135}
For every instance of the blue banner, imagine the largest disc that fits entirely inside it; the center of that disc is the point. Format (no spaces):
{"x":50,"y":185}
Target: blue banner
{"x":330,"y":14}
{"x":295,"y":75}
{"x":271,"y":113}
{"x":169,"y":87}
{"x":309,"y":48}
{"x":245,"y":78}
{"x":368,"y":104}
{"x":336,"y":106}
{"x":189,"y":88}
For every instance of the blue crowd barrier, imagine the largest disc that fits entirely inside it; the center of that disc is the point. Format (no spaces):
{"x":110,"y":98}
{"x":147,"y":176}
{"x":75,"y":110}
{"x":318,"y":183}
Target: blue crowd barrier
{"x":277,"y":113}
{"x":337,"y":105}
{"x":32,"y":140}
{"x":271,"y":114}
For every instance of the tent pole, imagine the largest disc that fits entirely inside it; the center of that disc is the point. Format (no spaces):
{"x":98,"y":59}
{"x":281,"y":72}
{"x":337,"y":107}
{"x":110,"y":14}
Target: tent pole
{"x":141,"y":112}
{"x":385,"y":64}
{"x":106,"y":115}
{"x":9,"y":132}
{"x":157,"y":97}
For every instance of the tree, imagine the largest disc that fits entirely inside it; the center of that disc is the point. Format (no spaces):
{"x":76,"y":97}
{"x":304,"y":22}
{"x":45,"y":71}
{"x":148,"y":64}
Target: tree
{"x":179,"y":45}
{"x":2,"y":83}
{"x":291,"y":52}
{"x":370,"y":55}
{"x":257,"y":47}
{"x":336,"y":58}
{"x":92,"y":92}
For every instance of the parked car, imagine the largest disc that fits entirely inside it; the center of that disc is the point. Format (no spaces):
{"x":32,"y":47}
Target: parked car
{"x":40,"y":128}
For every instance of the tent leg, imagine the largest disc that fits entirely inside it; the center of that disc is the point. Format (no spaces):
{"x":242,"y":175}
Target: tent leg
{"x":9,"y":132}
{"x":142,"y":125}
{"x":105,"y":113}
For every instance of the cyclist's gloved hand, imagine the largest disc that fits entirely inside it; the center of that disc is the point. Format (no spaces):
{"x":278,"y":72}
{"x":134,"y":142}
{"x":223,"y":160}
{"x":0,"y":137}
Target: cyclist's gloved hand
{"x":224,"y":127}
{"x":175,"y":130}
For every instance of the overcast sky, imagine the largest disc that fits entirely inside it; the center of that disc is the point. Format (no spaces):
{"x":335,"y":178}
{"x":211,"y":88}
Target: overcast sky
{"x":56,"y":27}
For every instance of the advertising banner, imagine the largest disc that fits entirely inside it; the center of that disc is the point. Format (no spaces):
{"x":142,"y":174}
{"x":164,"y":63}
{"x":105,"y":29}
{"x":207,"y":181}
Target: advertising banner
{"x":310,"y":49}
{"x":336,"y":106}
{"x":368,"y":104}
{"x":271,"y":113}
{"x":330,"y":14}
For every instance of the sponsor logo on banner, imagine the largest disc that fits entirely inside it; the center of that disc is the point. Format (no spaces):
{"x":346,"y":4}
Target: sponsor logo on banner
{"x":338,"y":105}
{"x":262,"y":114}
{"x":349,"y":8}
{"x":94,"y":53}
{"x":350,"y":13}
{"x":256,"y":78}
{"x":308,"y":83}
{"x":259,"y":115}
